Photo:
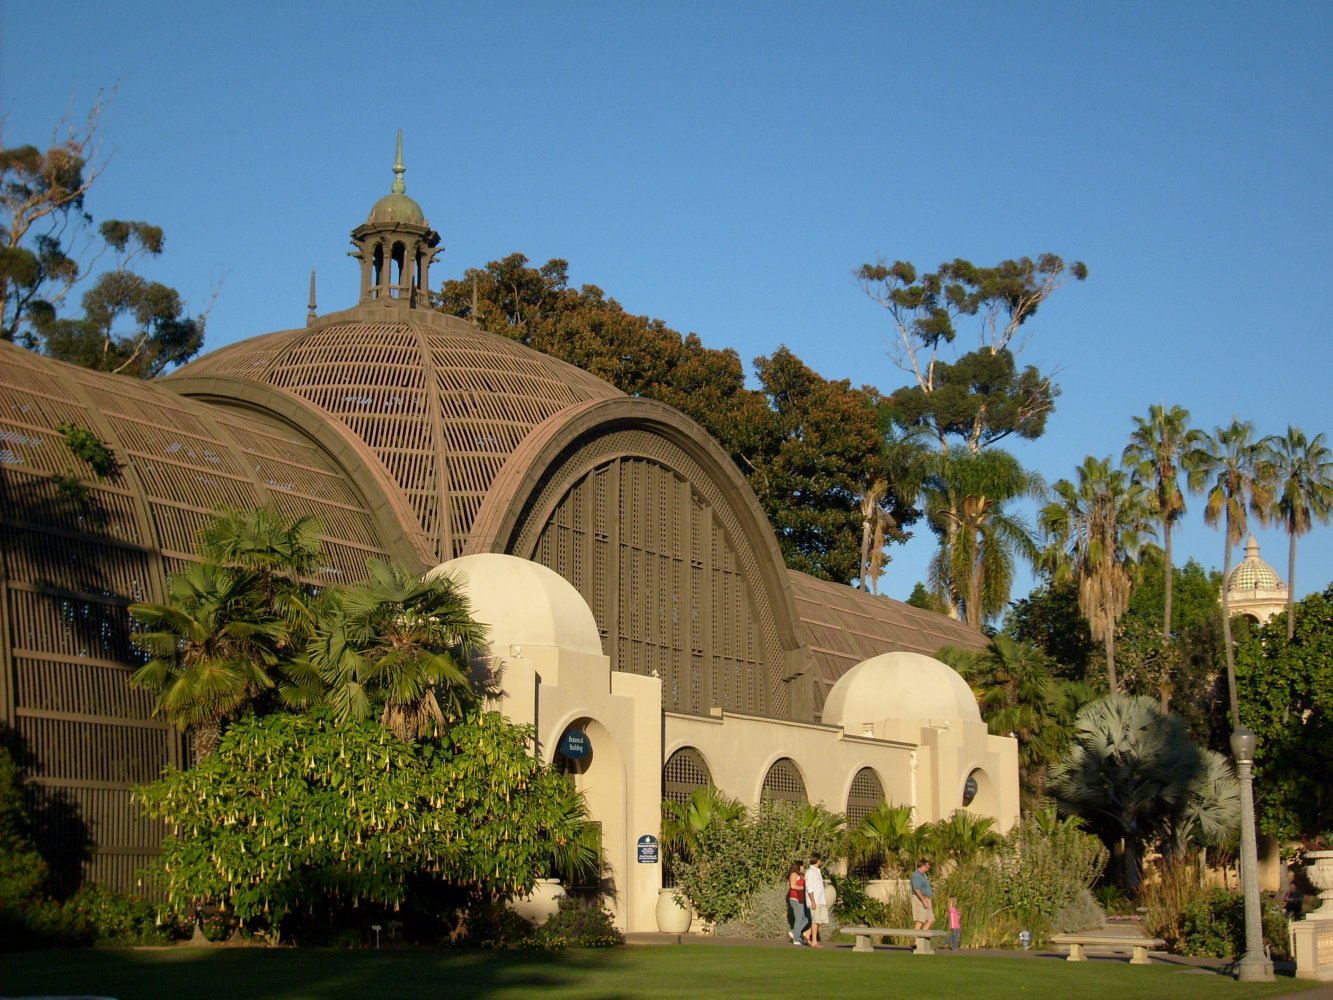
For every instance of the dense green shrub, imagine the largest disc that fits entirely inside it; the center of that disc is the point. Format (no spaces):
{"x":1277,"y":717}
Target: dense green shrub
{"x":731,"y":861}
{"x":1079,"y":914}
{"x":579,"y":923}
{"x":22,"y":869}
{"x":495,"y":925}
{"x":296,"y":816}
{"x":1213,"y":924}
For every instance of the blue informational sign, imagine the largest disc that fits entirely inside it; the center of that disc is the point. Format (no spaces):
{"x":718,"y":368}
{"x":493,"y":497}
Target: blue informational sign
{"x":648,"y":854}
{"x":574,"y":745}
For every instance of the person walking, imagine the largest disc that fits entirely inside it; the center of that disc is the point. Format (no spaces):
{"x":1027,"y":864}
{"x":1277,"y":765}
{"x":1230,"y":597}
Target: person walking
{"x":923,"y":904}
{"x":955,"y":925}
{"x":816,"y":900}
{"x":800,"y":916}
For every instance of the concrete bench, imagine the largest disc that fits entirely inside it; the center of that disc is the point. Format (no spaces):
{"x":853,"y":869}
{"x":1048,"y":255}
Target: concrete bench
{"x":864,"y":934}
{"x":1111,"y":942}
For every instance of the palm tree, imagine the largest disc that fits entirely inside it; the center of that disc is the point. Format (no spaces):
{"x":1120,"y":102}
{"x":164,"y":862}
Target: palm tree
{"x":979,"y":540}
{"x":1236,"y":476}
{"x":211,"y":647}
{"x":886,"y":841}
{"x":1130,"y":774}
{"x":683,"y":823}
{"x":1156,"y":446}
{"x":1020,"y":697}
{"x":1094,"y":529}
{"x":1304,"y":474}
{"x":400,"y":643}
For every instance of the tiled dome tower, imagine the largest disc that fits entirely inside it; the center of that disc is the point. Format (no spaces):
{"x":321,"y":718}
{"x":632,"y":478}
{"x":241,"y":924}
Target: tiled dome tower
{"x":1255,"y":589}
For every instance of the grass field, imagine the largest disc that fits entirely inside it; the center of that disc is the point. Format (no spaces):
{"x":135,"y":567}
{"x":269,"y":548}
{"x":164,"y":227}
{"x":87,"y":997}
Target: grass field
{"x":688,"y":971}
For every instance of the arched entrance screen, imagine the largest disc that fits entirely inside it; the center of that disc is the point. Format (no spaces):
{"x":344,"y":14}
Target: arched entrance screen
{"x":784,"y":782}
{"x":685,"y":771}
{"x":864,"y":797}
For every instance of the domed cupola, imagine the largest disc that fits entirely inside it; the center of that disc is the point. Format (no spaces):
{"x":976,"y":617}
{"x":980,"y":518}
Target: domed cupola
{"x":396,"y":246}
{"x":1254,"y":588}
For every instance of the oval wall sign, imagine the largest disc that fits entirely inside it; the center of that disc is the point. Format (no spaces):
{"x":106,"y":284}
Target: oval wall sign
{"x":574,"y":745}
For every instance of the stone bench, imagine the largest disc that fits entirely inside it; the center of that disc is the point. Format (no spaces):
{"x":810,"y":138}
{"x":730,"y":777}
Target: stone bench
{"x":1111,"y":942}
{"x":864,"y":934}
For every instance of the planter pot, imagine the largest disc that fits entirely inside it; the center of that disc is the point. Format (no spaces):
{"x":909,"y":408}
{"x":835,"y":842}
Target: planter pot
{"x":542,"y":903}
{"x":672,"y":918}
{"x":1319,"y":870}
{"x":830,"y":895}
{"x":888,"y":890}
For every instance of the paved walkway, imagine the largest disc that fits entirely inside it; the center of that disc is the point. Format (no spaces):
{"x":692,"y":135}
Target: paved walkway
{"x":1322,"y":992}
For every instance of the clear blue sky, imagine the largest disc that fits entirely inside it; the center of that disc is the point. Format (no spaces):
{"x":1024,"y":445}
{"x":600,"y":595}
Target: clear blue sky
{"x":726,"y":167}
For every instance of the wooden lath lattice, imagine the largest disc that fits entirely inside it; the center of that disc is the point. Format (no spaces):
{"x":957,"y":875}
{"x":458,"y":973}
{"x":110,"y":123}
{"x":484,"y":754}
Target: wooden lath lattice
{"x":654,"y":549}
{"x":441,"y":404}
{"x":76,"y":551}
{"x":684,"y":771}
{"x":864,"y":797}
{"x":784,"y":783}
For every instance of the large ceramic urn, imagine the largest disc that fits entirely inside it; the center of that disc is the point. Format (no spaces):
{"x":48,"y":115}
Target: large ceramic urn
{"x":672,"y":917}
{"x":1319,"y":870}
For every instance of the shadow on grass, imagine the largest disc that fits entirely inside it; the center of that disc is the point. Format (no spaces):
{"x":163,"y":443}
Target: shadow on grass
{"x":289,"y":974}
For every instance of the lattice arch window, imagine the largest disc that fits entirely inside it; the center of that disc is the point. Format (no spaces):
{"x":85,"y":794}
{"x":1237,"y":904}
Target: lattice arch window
{"x":655,"y":550}
{"x":685,"y":771}
{"x":784,"y":783}
{"x":864,"y":797}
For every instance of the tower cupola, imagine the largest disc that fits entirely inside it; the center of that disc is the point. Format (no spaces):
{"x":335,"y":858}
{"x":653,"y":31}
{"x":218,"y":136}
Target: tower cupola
{"x":396,"y":246}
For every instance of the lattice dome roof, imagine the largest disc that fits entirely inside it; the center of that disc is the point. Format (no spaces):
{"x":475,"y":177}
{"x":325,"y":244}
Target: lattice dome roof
{"x":440,"y":402}
{"x":1253,"y":573}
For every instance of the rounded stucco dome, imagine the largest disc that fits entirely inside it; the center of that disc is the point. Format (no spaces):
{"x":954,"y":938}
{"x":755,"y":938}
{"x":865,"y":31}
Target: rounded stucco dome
{"x":899,"y":685}
{"x":524,"y":603}
{"x":1253,"y":573}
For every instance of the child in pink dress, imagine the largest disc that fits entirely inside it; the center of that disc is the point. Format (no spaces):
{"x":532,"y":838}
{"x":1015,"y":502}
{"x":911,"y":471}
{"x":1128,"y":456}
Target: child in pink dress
{"x":955,"y":925}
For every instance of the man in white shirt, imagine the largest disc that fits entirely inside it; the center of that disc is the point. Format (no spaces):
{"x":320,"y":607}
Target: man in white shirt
{"x":815,"y":899}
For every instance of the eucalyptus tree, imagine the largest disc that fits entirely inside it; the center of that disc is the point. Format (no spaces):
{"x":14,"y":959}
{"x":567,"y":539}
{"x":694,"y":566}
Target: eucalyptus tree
{"x":1156,"y":447}
{"x":1094,"y":530}
{"x":1304,"y":474}
{"x":1235,"y":474}
{"x":397,"y":644}
{"x":964,"y":497}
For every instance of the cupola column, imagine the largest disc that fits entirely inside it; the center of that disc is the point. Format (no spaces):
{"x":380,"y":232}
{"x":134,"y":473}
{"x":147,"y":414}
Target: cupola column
{"x":395,"y":246}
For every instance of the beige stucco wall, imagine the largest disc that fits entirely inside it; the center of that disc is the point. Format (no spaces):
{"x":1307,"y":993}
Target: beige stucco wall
{"x":545,"y":660}
{"x":918,"y":764}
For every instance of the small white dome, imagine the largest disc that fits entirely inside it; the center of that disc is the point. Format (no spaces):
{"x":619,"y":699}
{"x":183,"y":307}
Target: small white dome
{"x":524,"y":603}
{"x":899,"y":685}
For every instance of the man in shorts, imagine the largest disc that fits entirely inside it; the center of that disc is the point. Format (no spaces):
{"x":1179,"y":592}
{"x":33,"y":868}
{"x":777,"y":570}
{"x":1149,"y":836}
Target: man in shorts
{"x":923,"y":904}
{"x":816,"y":899}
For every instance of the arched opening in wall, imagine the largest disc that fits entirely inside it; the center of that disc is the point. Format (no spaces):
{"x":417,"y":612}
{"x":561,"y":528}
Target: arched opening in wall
{"x":784,"y":783}
{"x":396,"y":275}
{"x":587,"y":753}
{"x":863,"y":798}
{"x":685,"y":770}
{"x":377,"y":270}
{"x":978,"y":795}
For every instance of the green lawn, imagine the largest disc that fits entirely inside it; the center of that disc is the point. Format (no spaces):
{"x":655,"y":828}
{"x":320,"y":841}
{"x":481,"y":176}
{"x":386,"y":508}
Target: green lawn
{"x":688,"y":971}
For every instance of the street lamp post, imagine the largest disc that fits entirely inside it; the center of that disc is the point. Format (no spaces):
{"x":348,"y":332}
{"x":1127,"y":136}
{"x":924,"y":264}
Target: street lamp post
{"x":1254,"y":966}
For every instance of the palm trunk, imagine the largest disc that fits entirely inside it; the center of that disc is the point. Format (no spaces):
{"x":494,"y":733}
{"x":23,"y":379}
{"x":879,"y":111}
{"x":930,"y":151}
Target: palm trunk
{"x":1109,"y":644}
{"x":1166,"y":604}
{"x":1291,"y":587}
{"x":1226,"y":629}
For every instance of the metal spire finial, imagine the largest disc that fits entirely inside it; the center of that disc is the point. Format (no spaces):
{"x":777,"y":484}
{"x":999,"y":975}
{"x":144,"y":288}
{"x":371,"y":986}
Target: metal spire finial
{"x":398,"y":169}
{"x":310,"y":316}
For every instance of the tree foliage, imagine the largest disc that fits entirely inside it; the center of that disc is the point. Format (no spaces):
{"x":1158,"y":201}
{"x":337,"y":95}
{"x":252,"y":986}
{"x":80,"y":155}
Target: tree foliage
{"x":981,"y":396}
{"x":1286,"y":694}
{"x":1303,"y":473}
{"x":1094,"y":530}
{"x":295,"y":812}
{"x":813,"y":449}
{"x":1138,"y":781}
{"x":129,"y":323}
